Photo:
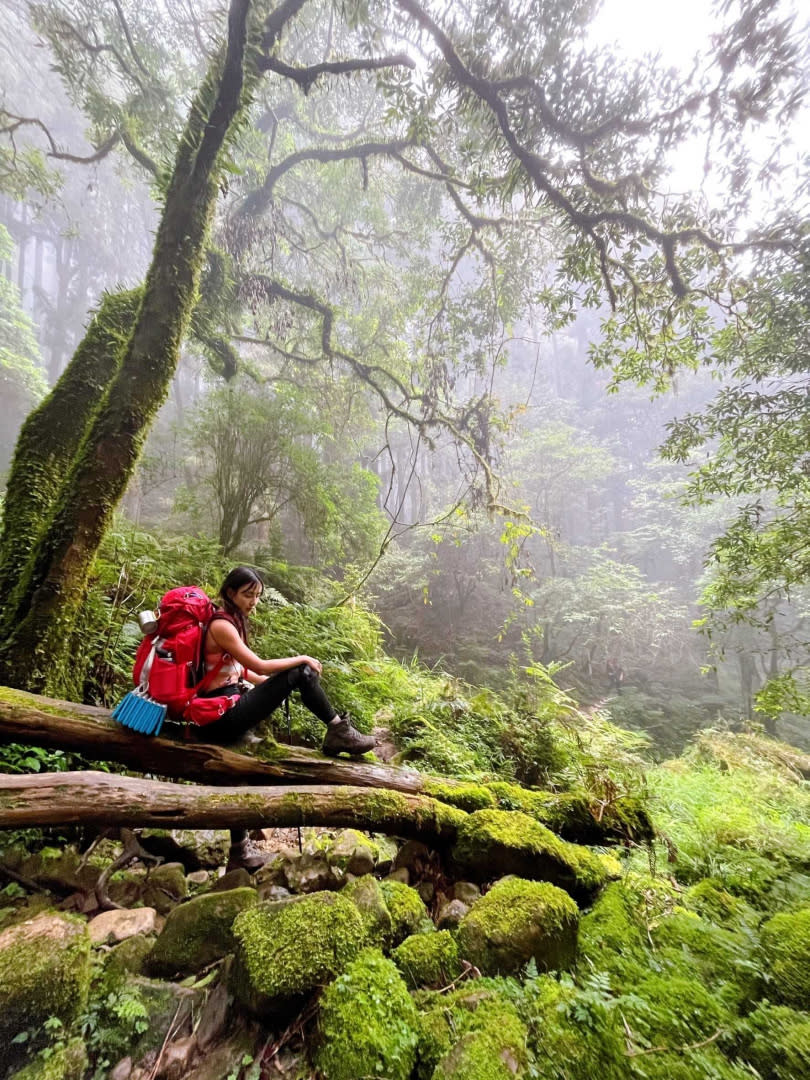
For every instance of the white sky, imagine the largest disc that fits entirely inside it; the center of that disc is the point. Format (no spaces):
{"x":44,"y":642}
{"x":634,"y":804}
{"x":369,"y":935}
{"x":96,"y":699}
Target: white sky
{"x":675,"y":30}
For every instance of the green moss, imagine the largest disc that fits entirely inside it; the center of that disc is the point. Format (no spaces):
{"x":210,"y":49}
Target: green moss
{"x":367,"y":895}
{"x":368,"y":1023}
{"x":406,"y":908}
{"x":428,"y":959}
{"x":44,"y":971}
{"x":573,"y":1034}
{"x":775,"y":1040}
{"x":472,"y":1034}
{"x":709,"y":899}
{"x":467,"y":797}
{"x":129,"y":958}
{"x":66,"y":1062}
{"x":492,"y":843}
{"x":286,"y":950}
{"x":689,"y":945}
{"x":199,"y":932}
{"x":517,"y":921}
{"x":673,"y":1012}
{"x":786,"y":944}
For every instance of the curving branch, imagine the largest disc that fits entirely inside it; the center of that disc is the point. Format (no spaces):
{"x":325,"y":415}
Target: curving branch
{"x":12,"y":123}
{"x":258,"y":201}
{"x":306,"y":77}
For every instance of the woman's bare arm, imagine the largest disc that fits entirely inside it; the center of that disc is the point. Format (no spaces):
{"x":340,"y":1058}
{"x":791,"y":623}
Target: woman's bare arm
{"x":227,"y":638}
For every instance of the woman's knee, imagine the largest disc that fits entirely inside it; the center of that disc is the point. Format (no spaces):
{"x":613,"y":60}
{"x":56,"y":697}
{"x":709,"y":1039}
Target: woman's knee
{"x":303,"y":674}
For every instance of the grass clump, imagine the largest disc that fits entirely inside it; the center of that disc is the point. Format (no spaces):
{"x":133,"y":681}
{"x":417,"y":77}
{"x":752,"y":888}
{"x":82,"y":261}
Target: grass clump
{"x":786,"y":945}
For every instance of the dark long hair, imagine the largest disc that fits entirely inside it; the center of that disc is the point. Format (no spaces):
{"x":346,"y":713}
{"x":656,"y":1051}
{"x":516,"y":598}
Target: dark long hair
{"x":236,"y":580}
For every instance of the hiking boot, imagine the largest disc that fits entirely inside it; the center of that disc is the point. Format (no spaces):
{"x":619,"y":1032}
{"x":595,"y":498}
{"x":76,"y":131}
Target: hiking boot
{"x":343,"y":738}
{"x":245,"y":856}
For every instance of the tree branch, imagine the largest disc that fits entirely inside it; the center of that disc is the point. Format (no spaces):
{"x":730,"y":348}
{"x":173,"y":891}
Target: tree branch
{"x":306,"y":77}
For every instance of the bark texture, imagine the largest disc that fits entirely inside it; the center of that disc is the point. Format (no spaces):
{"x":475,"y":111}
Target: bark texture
{"x":96,"y":798}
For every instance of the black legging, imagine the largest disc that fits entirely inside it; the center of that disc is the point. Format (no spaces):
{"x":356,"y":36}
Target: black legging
{"x":258,"y":703}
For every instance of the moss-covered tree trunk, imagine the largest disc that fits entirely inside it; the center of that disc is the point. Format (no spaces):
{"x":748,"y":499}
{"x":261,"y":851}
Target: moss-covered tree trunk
{"x":51,"y":435}
{"x":40,"y":616}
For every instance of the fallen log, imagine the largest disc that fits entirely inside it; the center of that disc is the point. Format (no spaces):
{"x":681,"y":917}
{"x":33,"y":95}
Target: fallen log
{"x":483,"y":844}
{"x":90,"y":731}
{"x":99,"y":798}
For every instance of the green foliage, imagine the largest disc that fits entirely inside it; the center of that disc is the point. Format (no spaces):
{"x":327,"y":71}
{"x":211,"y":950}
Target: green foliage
{"x":367,"y":1023}
{"x":786,"y":945}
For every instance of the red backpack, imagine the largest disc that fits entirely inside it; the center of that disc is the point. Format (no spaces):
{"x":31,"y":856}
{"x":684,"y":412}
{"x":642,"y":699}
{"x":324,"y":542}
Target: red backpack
{"x":169,"y":662}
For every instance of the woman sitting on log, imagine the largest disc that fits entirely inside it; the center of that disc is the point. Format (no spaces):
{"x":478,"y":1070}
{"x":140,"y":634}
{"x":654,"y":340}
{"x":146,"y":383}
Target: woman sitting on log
{"x":226,"y":649}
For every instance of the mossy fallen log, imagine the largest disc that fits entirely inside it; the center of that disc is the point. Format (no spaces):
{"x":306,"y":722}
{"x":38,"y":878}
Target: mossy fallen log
{"x":91,"y":732}
{"x":99,"y":798}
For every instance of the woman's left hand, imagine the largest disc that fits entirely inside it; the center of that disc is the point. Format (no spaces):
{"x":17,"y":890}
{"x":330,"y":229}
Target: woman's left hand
{"x":316,"y":664}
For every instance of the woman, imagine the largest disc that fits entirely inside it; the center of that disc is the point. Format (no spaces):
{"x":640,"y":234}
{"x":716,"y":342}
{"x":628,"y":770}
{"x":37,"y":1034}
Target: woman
{"x":228,"y":656}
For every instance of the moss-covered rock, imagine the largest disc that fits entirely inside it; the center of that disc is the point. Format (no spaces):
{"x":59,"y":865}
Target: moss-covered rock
{"x":65,"y":1062}
{"x":165,"y":887}
{"x":367,"y":895}
{"x":557,"y":1033}
{"x":775,"y":1040}
{"x":129,"y":958}
{"x":786,"y":944}
{"x":517,"y":921}
{"x":352,"y":852}
{"x":712,"y":901}
{"x":44,"y":971}
{"x":494,"y":843}
{"x":471,"y":1033}
{"x":428,"y":959}
{"x":285,"y":950}
{"x":408,"y":912}
{"x":368,"y":1023}
{"x":199,"y":932}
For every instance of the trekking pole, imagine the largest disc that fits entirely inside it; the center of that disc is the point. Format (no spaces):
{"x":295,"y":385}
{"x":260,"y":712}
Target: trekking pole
{"x":289,"y":740}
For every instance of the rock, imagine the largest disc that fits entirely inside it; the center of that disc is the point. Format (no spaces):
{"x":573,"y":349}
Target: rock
{"x":199,"y":932}
{"x":196,"y":849}
{"x":129,"y":958}
{"x":426,"y":890}
{"x":214,"y":1017}
{"x":197,"y":878}
{"x":165,"y":886}
{"x":494,"y":843}
{"x":311,"y":872}
{"x":413,"y":856}
{"x":66,"y":1062}
{"x":44,"y":972}
{"x":234,"y":879}
{"x":403,"y":876}
{"x":274,"y":871}
{"x":451,"y":914}
{"x":126,"y":887}
{"x":273,"y":892}
{"x":123,"y":1070}
{"x":286,"y":950}
{"x":472,"y":1034}
{"x":517,"y":921}
{"x":176,"y":1058}
{"x":367,"y":895}
{"x":466,"y":892}
{"x":351,"y":852}
{"x":368,"y":1023}
{"x":113,"y":926}
{"x":168,"y":1008}
{"x":428,"y":960}
{"x":386,"y":853}
{"x":405,"y":907}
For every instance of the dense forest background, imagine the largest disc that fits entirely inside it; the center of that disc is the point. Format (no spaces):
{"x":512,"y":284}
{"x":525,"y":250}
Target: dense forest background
{"x":593,"y":551}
